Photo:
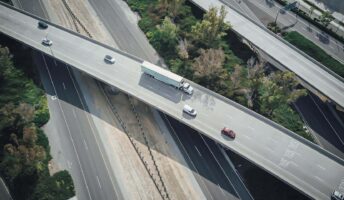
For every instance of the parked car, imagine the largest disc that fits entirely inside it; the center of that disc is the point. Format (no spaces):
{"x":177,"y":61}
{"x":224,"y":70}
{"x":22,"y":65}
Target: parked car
{"x":109,"y":59}
{"x":47,"y":42}
{"x":42,"y":25}
{"x":189,"y":110}
{"x":336,"y":195}
{"x":228,"y":132}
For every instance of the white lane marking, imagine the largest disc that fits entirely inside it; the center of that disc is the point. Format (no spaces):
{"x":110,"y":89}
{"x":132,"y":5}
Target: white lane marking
{"x":327,"y":120}
{"x":69,"y":132}
{"x":199,"y":153}
{"x":69,"y":164}
{"x":188,"y":156}
{"x":86,"y":147}
{"x":247,"y":137}
{"x":221,"y":190}
{"x":99,"y":183}
{"x":74,"y":113}
{"x":321,"y":167}
{"x":93,"y":131}
{"x":64,"y":86}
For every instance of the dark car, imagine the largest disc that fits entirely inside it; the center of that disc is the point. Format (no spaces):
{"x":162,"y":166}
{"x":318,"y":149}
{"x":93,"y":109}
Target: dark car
{"x":228,"y":132}
{"x":42,"y":25}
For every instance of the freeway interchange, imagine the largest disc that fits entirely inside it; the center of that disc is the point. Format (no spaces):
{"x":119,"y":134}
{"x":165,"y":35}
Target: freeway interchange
{"x":301,"y":164}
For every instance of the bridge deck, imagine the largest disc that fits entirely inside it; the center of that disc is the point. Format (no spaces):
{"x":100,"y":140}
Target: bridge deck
{"x":303,"y":165}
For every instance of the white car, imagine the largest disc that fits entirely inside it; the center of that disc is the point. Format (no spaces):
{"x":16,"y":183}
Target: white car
{"x":337,"y":195}
{"x":189,"y":110}
{"x":47,"y":42}
{"x":109,"y":59}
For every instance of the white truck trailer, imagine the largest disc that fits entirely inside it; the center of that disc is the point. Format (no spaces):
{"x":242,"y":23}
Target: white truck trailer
{"x":166,"y":77}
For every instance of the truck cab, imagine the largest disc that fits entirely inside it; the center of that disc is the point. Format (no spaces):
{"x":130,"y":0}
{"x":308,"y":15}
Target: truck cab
{"x":187,"y":88}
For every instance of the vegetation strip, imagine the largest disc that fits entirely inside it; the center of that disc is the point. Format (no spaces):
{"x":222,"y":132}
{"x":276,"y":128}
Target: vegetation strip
{"x":24,"y":148}
{"x":314,"y":51}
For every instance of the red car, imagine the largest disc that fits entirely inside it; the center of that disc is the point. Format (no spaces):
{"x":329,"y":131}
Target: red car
{"x":228,"y":132}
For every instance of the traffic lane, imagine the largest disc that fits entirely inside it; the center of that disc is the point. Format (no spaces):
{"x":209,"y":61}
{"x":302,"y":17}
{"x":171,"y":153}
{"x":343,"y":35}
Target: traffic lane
{"x":57,"y":118}
{"x":281,"y":158}
{"x":206,"y":167}
{"x":126,"y":33}
{"x":317,"y":122}
{"x":93,"y":166}
{"x":75,"y":55}
{"x":227,"y":169}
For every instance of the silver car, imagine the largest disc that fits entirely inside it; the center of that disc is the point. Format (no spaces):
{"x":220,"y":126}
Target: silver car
{"x":109,"y":59}
{"x":47,"y":42}
{"x":189,"y":110}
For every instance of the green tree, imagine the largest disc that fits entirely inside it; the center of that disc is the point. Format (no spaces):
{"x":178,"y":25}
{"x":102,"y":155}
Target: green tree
{"x":208,"y":69}
{"x":212,"y":28}
{"x":277,"y":89}
{"x":5,"y":62}
{"x":164,"y":38}
{"x":326,"y":18}
{"x":57,"y":187}
{"x":172,"y":7}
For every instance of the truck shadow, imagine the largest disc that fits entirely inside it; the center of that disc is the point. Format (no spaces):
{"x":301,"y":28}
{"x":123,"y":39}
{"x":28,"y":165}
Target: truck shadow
{"x":160,"y":88}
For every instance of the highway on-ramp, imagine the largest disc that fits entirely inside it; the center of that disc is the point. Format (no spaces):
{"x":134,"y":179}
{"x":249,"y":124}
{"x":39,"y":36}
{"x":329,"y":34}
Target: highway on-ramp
{"x":296,"y":161}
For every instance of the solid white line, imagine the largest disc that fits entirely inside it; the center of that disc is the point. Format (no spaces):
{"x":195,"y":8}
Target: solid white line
{"x":86,"y":147}
{"x":92,"y":130}
{"x":70,"y":135}
{"x":221,"y":190}
{"x":328,"y":121}
{"x":223,"y":171}
{"x":199,"y":153}
{"x":174,"y":132}
{"x":99,"y":183}
{"x":74,"y":113}
{"x":64,"y":86}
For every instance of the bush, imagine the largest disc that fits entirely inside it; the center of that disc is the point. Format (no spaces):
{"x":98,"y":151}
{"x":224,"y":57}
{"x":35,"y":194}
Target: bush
{"x":315,"y":52}
{"x":57,"y":187}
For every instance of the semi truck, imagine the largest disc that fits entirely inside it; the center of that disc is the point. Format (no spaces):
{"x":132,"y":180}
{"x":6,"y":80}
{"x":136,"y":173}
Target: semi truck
{"x":166,"y":77}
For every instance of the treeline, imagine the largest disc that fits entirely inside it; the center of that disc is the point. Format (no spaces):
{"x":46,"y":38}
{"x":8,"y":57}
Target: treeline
{"x":201,"y":47}
{"x":24,"y":148}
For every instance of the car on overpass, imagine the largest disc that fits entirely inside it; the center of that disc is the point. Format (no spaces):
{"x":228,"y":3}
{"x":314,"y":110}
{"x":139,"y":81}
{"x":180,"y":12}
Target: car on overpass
{"x":228,"y":132}
{"x":47,"y":42}
{"x":189,"y":110}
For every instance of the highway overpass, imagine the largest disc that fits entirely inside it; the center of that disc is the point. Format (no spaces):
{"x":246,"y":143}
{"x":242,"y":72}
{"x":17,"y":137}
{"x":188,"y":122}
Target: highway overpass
{"x":314,"y":75}
{"x":294,"y":160}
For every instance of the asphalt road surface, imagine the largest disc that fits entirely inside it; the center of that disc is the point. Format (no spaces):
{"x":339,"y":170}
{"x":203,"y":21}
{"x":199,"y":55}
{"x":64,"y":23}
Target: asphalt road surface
{"x":213,"y":172}
{"x":325,"y":126}
{"x":313,"y":74}
{"x":93,"y":165}
{"x":77,"y":134}
{"x":306,"y":166}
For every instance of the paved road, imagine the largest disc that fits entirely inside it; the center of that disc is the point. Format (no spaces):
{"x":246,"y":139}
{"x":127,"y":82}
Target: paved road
{"x":326,"y":127}
{"x":306,"y":166}
{"x":314,"y":75}
{"x":98,"y":179}
{"x":124,"y":30}
{"x":213,"y":172}
{"x":130,"y":38}
{"x":76,"y":132}
{"x":4,"y":192}
{"x":266,"y":12}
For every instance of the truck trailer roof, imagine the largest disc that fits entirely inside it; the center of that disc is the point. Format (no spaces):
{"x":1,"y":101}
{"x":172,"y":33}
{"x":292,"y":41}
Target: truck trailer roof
{"x":162,"y":71}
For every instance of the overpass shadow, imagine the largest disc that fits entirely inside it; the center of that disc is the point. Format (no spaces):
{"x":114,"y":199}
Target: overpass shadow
{"x":55,"y":77}
{"x":168,"y":92}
